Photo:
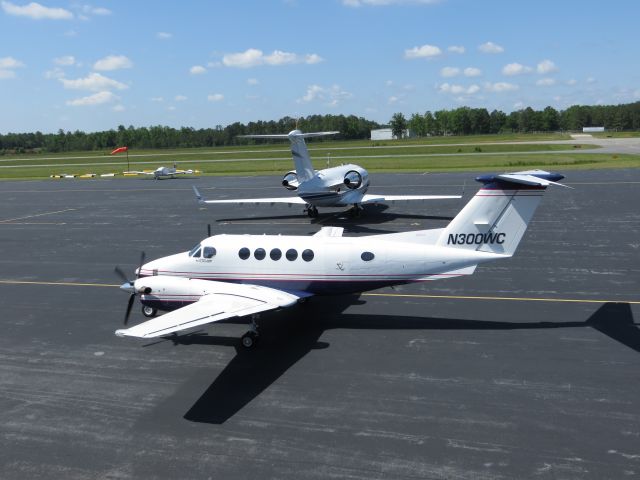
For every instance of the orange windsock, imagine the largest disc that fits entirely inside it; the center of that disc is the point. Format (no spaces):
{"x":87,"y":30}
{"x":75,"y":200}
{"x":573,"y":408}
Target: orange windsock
{"x":120,"y":150}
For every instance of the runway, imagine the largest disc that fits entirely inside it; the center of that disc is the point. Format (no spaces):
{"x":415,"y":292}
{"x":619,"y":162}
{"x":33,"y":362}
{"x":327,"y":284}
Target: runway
{"x":526,"y":369}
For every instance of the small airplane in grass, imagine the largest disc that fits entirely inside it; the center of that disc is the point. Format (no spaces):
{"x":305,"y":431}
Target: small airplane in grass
{"x":227,"y":276}
{"x":341,"y":186}
{"x":164,"y":172}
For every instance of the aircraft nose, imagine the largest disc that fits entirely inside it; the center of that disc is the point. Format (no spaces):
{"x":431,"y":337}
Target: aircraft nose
{"x":127,"y":287}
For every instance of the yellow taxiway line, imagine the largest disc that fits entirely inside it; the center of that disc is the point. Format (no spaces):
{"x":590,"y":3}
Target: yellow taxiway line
{"x":513,"y":299}
{"x":392,"y":295}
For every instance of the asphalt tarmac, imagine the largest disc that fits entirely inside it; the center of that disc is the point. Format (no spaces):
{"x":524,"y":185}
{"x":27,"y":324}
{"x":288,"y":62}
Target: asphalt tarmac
{"x":527,"y":369}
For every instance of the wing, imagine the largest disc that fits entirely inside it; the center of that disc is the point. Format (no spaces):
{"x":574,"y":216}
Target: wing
{"x":136,"y":172}
{"x":220,"y":304}
{"x":256,"y":201}
{"x":404,"y":198}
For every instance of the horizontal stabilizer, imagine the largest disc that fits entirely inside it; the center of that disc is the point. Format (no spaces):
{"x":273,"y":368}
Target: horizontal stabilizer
{"x":294,"y":133}
{"x":538,"y":178}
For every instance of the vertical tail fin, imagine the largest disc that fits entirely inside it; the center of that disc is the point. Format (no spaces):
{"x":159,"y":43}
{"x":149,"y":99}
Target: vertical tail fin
{"x":299,"y":152}
{"x":496,"y":218}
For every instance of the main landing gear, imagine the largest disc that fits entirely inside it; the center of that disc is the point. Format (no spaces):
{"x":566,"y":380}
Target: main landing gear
{"x":149,"y":312}
{"x":355,"y":211}
{"x":250,"y":338}
{"x":312,"y":211}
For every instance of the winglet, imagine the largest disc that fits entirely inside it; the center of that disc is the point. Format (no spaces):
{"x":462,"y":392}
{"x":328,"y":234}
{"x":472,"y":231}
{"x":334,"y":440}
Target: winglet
{"x":199,"y":197}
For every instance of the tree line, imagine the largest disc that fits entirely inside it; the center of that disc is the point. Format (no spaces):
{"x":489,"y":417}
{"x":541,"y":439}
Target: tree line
{"x":474,"y":121}
{"x":459,"y":121}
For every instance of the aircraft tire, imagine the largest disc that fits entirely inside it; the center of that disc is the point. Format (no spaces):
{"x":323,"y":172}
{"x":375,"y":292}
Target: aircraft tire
{"x":312,"y":212}
{"x":249,"y":340}
{"x":149,"y":312}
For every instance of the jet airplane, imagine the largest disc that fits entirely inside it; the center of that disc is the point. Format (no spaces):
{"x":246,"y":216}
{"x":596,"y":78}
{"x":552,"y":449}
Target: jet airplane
{"x":227,"y":276}
{"x":342,"y":186}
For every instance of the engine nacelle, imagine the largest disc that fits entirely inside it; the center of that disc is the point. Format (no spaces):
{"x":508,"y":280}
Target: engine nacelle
{"x":290,"y":181}
{"x":353,"y":179}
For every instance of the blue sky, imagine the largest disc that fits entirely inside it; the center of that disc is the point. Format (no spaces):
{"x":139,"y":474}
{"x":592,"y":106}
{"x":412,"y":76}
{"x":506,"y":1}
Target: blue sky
{"x":93,"y":66}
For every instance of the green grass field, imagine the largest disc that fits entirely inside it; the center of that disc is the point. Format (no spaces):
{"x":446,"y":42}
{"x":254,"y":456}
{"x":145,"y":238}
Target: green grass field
{"x":473,"y":153}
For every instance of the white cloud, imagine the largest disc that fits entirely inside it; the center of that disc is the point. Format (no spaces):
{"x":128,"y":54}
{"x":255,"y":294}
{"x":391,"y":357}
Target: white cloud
{"x":36,"y":11}
{"x":253,"y":57}
{"x":9,"y":63}
{"x":490,"y":47}
{"x":164,"y":35}
{"x":546,"y":82}
{"x":65,"y":61}
{"x":473,"y":89}
{"x":113,"y":62}
{"x":572,"y":82}
{"x":215,"y":97}
{"x":197,"y":70}
{"x":7,"y":66}
{"x":500,"y":87}
{"x":450,"y":72}
{"x":95,"y":99}
{"x":93,"y":82}
{"x":91,"y":10}
{"x":252,"y":81}
{"x":180,"y":98}
{"x":546,"y":66}
{"x":332,"y":96}
{"x":456,"y":49}
{"x":515,"y":69}
{"x":518,"y":105}
{"x":591,"y":80}
{"x":393,"y":99}
{"x":57,"y":72}
{"x":458,"y":89}
{"x":425,"y":51}
{"x":157,"y":99}
{"x":472,"y":72}
{"x":384,"y":3}
{"x":118,"y":108}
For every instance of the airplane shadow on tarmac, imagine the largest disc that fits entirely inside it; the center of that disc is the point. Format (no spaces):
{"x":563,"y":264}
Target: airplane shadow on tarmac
{"x":285,"y":340}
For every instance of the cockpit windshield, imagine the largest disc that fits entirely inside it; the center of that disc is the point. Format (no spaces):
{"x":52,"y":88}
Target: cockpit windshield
{"x":195,"y":251}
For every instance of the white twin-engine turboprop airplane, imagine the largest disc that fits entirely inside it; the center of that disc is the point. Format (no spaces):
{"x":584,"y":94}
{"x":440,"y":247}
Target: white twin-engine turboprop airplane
{"x":165,"y":172}
{"x":341,"y":186}
{"x":227,"y":276}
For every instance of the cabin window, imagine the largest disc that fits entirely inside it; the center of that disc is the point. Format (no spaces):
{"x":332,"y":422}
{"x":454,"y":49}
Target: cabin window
{"x":194,"y":250}
{"x":208,"y":252}
{"x":275,"y":254}
{"x":292,"y":254}
{"x":307,"y":255}
{"x":244,"y":253}
{"x":259,"y":253}
{"x":367,"y":256}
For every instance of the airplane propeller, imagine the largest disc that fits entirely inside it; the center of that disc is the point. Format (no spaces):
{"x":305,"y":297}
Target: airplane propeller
{"x":128,"y":286}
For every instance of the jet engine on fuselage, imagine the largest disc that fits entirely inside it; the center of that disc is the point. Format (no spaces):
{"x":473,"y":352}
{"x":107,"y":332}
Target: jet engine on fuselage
{"x":290,"y":180}
{"x":353,"y":179}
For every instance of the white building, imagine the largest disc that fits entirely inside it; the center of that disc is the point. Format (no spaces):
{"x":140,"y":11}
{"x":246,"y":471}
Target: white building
{"x":592,"y":129}
{"x":387,"y":134}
